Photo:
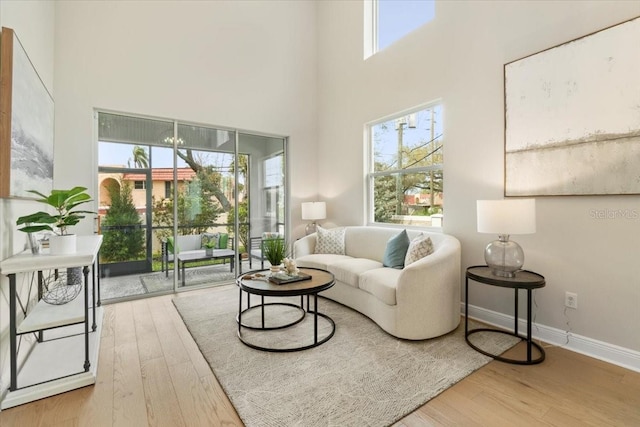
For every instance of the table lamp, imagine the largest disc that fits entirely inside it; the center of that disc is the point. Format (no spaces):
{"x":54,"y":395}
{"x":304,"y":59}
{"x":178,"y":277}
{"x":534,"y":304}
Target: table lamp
{"x":313,"y":211}
{"x":504,"y":217}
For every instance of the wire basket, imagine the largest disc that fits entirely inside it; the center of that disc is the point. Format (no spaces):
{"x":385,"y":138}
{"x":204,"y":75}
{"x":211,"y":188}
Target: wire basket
{"x":63,"y":289}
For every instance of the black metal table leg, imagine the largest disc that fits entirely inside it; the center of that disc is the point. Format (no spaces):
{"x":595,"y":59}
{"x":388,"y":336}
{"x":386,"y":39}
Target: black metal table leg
{"x":315,"y":318}
{"x":529,"y":341}
{"x":515,"y":327}
{"x":94,"y":326}
{"x":12,"y":333}
{"x":87,"y":362}
{"x":98,"y":270}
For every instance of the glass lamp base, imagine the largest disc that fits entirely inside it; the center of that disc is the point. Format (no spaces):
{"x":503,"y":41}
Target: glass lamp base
{"x":504,"y":257}
{"x":310,"y":228}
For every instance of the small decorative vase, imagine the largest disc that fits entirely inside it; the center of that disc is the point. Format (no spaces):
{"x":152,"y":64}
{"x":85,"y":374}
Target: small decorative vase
{"x":209,"y":251}
{"x":62,"y":245}
{"x":275,"y":269}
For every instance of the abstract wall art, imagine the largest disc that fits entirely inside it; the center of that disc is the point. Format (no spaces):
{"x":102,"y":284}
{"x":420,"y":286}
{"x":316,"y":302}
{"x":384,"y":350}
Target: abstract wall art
{"x":26,"y":123}
{"x":572,"y":117}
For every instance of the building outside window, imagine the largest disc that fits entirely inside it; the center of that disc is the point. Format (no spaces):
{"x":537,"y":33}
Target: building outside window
{"x":406,"y":168}
{"x":387,"y":21}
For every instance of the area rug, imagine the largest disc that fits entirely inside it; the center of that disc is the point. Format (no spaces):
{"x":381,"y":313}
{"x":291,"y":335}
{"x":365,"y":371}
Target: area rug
{"x":158,"y":281}
{"x":360,"y":377}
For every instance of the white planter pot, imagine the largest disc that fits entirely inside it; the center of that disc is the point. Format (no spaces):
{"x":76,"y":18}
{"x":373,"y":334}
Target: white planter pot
{"x":62,"y":245}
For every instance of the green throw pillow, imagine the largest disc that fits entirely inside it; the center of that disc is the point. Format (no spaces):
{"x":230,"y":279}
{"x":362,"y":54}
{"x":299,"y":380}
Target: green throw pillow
{"x":223,"y":241}
{"x":170,"y":246}
{"x":396,"y":250}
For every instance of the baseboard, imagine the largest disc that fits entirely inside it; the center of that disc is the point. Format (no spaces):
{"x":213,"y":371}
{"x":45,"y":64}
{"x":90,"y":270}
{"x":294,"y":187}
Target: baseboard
{"x":610,"y":353}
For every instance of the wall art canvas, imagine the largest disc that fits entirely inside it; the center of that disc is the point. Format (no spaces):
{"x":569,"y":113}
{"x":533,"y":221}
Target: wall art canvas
{"x":26,"y":123}
{"x":572,"y":117}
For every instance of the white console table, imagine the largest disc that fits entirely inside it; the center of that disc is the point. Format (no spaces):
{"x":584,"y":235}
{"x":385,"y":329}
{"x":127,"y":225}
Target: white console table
{"x":68,"y":358}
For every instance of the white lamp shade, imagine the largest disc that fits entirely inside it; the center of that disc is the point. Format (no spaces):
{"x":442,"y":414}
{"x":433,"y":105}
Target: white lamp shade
{"x":508,"y":216}
{"x":314,"y":210}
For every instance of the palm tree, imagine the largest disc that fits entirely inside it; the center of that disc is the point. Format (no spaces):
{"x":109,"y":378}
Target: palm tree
{"x":140,"y":158}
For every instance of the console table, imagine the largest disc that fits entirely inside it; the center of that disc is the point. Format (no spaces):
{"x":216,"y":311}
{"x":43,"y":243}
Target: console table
{"x":67,"y":358}
{"x":523,"y":279}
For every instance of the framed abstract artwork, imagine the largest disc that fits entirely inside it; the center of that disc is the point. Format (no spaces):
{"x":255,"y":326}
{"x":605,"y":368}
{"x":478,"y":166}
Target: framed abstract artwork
{"x":26,"y":123}
{"x":572,"y":117}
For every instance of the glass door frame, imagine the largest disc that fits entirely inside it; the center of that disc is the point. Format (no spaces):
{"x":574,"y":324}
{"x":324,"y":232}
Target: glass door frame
{"x":175,"y":146}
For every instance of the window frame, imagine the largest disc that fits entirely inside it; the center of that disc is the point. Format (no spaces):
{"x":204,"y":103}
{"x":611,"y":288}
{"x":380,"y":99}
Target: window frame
{"x":372,"y":24}
{"x":371,"y":173}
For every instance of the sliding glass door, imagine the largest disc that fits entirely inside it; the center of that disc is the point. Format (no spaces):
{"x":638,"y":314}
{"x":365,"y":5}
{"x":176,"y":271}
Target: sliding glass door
{"x":198,"y":198}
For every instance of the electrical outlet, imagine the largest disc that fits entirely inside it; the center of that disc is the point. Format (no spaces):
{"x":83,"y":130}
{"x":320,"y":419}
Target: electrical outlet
{"x":571,"y":300}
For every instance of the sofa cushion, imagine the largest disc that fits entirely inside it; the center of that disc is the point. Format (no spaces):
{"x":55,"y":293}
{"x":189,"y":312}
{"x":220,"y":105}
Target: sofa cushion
{"x":320,"y":260}
{"x":348,"y":271}
{"x":396,"y":250}
{"x":381,"y":283}
{"x":419,"y":248}
{"x":189,"y":242}
{"x":330,"y":241}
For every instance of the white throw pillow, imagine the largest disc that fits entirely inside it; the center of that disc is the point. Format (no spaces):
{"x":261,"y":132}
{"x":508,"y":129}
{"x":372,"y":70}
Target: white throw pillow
{"x":330,"y":241}
{"x":419,"y":248}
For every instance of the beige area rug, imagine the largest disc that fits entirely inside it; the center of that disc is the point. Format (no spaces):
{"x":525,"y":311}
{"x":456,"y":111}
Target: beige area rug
{"x":360,"y":377}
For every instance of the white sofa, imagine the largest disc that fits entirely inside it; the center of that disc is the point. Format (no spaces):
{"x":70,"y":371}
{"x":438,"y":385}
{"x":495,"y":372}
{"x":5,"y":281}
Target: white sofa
{"x":417,"y":302}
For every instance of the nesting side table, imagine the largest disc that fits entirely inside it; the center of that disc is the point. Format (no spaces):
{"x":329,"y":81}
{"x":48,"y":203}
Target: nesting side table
{"x":523,"y":279}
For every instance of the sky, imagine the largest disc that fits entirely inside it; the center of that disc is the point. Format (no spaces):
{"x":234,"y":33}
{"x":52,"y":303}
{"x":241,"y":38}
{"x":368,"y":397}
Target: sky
{"x":397,"y":18}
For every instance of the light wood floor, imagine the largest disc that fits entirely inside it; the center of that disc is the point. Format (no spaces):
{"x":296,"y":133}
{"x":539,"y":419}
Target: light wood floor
{"x":151,"y":373}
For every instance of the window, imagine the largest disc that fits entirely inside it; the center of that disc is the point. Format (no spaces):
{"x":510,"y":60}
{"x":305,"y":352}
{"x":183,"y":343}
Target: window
{"x":387,"y":21}
{"x":406,"y":168}
{"x":140,"y":185}
{"x":168,"y":192}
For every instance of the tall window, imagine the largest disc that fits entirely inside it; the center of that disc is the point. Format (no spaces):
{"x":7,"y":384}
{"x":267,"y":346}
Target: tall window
{"x":406,"y":165}
{"x":387,"y":21}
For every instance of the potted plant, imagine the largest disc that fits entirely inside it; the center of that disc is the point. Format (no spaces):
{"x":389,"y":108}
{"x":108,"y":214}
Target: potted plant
{"x":65,"y":203}
{"x":274,"y":250}
{"x":210,"y":246}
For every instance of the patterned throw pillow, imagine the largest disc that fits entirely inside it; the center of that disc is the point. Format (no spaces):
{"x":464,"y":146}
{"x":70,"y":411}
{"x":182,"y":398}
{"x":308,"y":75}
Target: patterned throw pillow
{"x":209,"y":237}
{"x":330,"y":241}
{"x":419,"y":248}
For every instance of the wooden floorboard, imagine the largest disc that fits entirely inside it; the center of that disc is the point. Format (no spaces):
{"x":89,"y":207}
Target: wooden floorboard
{"x":151,"y":373}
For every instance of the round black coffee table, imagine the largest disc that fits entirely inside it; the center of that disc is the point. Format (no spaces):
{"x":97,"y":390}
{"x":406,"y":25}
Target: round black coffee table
{"x":256,"y":283}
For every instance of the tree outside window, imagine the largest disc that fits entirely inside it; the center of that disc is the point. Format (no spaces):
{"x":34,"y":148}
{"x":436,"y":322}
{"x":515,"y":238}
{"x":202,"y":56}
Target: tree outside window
{"x":406,"y":175}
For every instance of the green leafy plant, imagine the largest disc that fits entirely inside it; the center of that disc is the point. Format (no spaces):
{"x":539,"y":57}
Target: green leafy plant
{"x":122,"y":230}
{"x":65,"y":203}
{"x":211,"y":244}
{"x":275,"y":250}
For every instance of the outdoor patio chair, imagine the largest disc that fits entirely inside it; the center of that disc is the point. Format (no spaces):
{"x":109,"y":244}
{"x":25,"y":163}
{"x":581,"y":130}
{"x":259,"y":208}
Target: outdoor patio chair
{"x":257,"y":247}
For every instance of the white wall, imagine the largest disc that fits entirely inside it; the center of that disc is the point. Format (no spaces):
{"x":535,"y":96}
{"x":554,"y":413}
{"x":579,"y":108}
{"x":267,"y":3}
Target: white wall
{"x":33,"y":23}
{"x":250,"y":65}
{"x":459,"y":58}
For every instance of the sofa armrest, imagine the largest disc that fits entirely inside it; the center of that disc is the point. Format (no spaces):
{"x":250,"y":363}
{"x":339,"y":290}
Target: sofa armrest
{"x":304,"y":246}
{"x":431,"y":287}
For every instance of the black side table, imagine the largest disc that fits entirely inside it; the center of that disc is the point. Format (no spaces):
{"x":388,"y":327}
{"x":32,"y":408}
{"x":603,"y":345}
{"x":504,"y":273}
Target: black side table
{"x":523,"y":280}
